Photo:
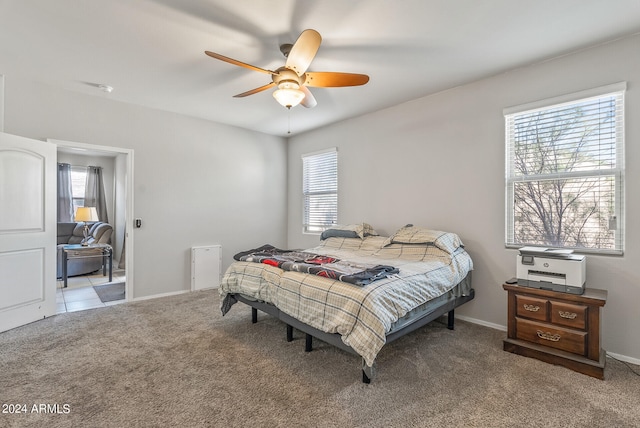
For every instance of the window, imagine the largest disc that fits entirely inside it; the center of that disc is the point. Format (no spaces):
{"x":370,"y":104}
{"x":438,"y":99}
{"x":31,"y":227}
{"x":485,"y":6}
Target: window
{"x":320,"y":190}
{"x":565,"y":172}
{"x":78,"y":182}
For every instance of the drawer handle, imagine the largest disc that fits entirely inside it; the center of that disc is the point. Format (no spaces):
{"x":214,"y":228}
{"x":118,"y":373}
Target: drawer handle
{"x":567,"y":315}
{"x":548,"y":336}
{"x":531,"y":308}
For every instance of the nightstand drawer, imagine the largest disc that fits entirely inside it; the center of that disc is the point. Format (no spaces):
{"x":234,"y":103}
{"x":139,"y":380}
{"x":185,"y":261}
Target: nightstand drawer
{"x":532,"y":308}
{"x":569,"y":315}
{"x":554,"y":337}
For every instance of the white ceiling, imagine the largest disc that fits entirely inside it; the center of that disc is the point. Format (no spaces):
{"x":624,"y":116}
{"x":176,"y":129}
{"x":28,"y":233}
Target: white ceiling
{"x":152,"y":51}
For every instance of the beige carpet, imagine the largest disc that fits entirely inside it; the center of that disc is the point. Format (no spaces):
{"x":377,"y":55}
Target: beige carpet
{"x":175,"y":361}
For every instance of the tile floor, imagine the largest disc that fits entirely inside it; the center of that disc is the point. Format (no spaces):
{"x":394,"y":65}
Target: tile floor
{"x":80,"y":295}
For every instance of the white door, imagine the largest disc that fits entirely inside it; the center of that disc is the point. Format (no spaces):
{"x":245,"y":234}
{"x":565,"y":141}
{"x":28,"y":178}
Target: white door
{"x":27,"y":230}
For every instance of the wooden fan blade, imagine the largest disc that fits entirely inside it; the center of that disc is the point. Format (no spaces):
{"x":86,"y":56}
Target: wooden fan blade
{"x":327,"y":79}
{"x":255,"y":91}
{"x":303,"y":51}
{"x":309,"y":100}
{"x":239,"y":63}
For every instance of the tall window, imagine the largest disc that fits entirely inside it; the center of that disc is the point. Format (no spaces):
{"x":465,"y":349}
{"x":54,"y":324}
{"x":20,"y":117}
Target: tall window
{"x":565,"y":172}
{"x":78,"y":182}
{"x":320,"y":190}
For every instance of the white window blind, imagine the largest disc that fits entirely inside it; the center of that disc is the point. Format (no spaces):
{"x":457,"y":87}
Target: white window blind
{"x":565,"y":173}
{"x":78,"y":183}
{"x":320,"y":190}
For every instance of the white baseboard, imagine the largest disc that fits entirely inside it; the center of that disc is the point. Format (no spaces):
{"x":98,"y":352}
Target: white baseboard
{"x":483,"y":323}
{"x":624,"y":358}
{"x":155,"y":296}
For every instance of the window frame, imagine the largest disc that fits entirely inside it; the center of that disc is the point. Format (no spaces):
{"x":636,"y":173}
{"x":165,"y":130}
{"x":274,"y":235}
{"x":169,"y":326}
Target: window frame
{"x":617,"y":172}
{"x":307,"y":227}
{"x":77,"y":200}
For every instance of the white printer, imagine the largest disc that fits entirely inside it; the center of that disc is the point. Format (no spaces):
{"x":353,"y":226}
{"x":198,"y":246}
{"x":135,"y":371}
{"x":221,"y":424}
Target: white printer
{"x":551,"y":269}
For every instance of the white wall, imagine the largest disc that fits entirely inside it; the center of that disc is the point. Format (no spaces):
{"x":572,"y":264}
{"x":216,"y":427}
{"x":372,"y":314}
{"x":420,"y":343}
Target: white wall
{"x":439,"y":162}
{"x":1,"y":103}
{"x":196,"y":182}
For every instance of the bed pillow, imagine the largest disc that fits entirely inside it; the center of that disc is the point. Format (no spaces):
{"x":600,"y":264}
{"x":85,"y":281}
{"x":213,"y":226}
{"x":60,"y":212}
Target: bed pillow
{"x":411,"y":234}
{"x":337,"y":243}
{"x":338,"y":233}
{"x":359,"y":230}
{"x":415,"y":253}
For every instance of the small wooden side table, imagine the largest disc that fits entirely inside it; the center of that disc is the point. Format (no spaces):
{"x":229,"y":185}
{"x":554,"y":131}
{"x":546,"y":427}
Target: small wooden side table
{"x":558,"y":328}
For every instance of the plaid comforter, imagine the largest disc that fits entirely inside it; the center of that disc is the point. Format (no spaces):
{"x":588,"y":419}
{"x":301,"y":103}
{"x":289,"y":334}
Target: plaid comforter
{"x":361,"y":315}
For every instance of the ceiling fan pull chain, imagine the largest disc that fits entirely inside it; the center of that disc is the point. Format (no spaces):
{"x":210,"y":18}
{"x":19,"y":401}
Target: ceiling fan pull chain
{"x":289,"y":120}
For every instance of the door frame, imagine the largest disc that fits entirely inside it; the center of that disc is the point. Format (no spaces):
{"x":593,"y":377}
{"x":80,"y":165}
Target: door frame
{"x":1,"y":103}
{"x":128,"y":247}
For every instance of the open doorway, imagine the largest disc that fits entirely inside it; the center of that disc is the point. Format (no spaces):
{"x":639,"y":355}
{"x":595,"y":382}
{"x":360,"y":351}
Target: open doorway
{"x":87,"y":290}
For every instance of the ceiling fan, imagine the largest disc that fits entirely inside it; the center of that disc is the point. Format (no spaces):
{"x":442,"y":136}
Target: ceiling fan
{"x":292,"y":79}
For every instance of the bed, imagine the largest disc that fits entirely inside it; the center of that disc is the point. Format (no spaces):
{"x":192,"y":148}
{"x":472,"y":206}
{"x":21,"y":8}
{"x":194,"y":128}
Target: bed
{"x":419,"y":275}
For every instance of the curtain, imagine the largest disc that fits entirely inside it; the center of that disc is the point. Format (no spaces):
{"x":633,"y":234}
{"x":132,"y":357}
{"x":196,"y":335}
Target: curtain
{"x":94,"y":192}
{"x":65,"y":199}
{"x":123,"y":254}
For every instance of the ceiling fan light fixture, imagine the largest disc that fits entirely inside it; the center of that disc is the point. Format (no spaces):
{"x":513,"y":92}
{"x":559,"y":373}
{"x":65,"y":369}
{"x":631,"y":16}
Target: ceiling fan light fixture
{"x":288,"y":96}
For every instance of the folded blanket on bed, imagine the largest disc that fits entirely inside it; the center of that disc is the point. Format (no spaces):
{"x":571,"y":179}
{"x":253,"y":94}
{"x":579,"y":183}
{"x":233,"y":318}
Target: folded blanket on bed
{"x":317,"y":264}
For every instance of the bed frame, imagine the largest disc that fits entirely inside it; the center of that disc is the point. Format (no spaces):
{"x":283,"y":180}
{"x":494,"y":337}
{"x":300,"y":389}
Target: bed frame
{"x":417,"y":318}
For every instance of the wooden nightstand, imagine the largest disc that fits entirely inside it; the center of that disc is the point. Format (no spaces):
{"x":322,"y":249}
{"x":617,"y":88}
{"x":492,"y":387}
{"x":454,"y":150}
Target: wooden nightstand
{"x":558,"y":328}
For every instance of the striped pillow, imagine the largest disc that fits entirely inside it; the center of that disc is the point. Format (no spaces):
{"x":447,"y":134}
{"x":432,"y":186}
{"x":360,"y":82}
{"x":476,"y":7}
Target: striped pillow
{"x":361,"y":230}
{"x":410,"y":234}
